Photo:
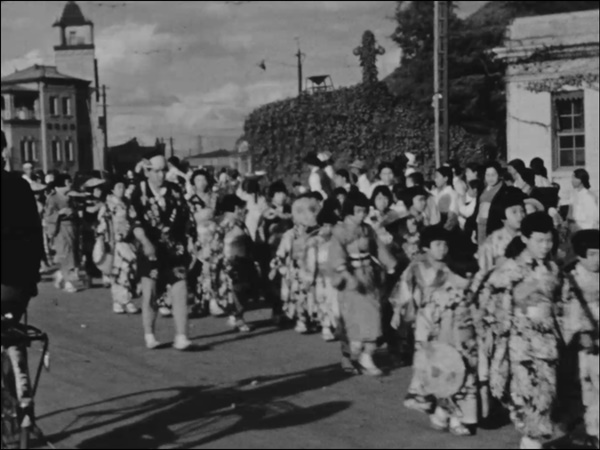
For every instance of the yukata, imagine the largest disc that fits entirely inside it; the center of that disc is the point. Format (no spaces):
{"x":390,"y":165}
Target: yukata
{"x":64,"y":231}
{"x":206,"y":244}
{"x":357,"y":253}
{"x":519,"y":302}
{"x":276,"y":221}
{"x":490,"y":255}
{"x":115,"y":227}
{"x":165,"y":218}
{"x":289,"y":261}
{"x":238,"y":274}
{"x":324,"y":294}
{"x":433,"y":302}
{"x":581,"y":324}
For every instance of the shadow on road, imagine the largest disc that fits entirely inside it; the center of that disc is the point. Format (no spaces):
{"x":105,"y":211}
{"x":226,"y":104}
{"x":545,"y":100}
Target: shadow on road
{"x":188,"y":417}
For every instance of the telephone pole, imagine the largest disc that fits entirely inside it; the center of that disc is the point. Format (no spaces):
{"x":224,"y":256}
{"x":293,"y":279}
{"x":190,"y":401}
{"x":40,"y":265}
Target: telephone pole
{"x":171,"y":145}
{"x":300,"y":57}
{"x":440,"y":80}
{"x":105,"y":129}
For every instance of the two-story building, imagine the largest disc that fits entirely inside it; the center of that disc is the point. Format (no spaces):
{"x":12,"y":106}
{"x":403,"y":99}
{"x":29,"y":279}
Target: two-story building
{"x":46,"y":119}
{"x":552,"y":93}
{"x":50,"y":114}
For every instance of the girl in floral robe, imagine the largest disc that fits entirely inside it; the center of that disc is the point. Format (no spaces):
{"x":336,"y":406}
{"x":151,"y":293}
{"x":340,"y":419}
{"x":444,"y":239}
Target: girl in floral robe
{"x":355,"y":257}
{"x":206,"y":244}
{"x":238,"y":275}
{"x":433,"y":299}
{"x":581,"y":322}
{"x":319,"y":275}
{"x":520,"y":302}
{"x":114,"y":226}
{"x":298,"y":304}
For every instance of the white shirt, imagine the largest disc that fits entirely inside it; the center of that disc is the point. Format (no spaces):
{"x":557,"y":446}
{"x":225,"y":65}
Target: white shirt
{"x":329,"y":171}
{"x":584,"y":210}
{"x":466,"y":209}
{"x":363,"y":184}
{"x":446,"y":200}
{"x":314,"y":182}
{"x":542,"y":182}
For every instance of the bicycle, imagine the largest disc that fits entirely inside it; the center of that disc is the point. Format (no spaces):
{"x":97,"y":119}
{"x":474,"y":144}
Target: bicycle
{"x":18,"y":415}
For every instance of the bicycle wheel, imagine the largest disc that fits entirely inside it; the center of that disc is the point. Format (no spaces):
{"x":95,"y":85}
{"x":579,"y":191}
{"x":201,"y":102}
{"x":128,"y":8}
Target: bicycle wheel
{"x":10,"y":407}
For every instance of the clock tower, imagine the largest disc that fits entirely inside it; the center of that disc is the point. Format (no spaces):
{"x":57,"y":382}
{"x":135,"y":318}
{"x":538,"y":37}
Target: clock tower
{"x":75,"y":55}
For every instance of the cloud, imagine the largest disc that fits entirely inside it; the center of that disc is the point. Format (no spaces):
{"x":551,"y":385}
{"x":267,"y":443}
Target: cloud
{"x":33,"y":57}
{"x":132,"y":46}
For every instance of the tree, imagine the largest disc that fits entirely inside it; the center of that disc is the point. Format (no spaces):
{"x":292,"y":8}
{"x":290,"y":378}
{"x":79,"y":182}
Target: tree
{"x":477,"y":98}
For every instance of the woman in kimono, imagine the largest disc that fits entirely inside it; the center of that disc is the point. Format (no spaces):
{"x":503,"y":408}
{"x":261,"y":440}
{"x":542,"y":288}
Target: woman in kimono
{"x":62,"y":222}
{"x":581,"y":321}
{"x":490,"y":255}
{"x":520,"y":303}
{"x":432,"y":298}
{"x":116,"y":231}
{"x":319,"y":275}
{"x":289,"y":262}
{"x":355,"y":257}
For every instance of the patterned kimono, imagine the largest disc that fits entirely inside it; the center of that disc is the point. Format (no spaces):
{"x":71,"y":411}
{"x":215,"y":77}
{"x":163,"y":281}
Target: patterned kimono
{"x":319,"y":277}
{"x":165,"y":218}
{"x":207,"y":247}
{"x":289,"y":261}
{"x":433,"y":301}
{"x":238,"y":275}
{"x":490,"y":255}
{"x":114,"y":226}
{"x":356,"y":254}
{"x":581,"y":323}
{"x":520,"y":300}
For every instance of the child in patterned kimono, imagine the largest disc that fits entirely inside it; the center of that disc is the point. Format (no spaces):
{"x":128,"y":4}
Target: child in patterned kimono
{"x":208,"y":250}
{"x":581,"y":323}
{"x":238,"y":275}
{"x":521,"y":306}
{"x":289,"y":261}
{"x":433,"y":299}
{"x":355,"y":257}
{"x":511,"y":210}
{"x":319,"y":275}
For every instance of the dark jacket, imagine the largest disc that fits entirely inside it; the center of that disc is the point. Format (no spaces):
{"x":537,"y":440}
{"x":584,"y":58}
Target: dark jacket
{"x":22,"y":236}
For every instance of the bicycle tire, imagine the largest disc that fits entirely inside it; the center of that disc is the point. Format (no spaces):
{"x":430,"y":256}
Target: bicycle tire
{"x":11,"y":426}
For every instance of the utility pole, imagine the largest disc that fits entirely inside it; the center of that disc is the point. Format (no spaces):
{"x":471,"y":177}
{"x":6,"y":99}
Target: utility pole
{"x":105,"y":129}
{"x":300,"y":57}
{"x":172,"y":148}
{"x":440,"y":80}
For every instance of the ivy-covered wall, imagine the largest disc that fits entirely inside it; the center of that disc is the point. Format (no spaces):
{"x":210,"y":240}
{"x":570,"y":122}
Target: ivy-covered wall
{"x":365,"y":121}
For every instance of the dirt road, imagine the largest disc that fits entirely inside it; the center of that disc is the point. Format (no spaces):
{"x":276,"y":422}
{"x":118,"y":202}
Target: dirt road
{"x":267,"y":389}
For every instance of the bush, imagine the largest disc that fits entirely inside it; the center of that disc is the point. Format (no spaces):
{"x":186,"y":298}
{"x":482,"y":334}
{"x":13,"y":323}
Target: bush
{"x":365,"y":121}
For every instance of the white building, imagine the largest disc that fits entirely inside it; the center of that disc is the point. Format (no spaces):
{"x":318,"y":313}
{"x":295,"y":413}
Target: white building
{"x":552,"y":93}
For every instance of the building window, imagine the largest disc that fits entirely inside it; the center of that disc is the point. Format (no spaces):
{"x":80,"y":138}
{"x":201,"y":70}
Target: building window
{"x":569,"y":129}
{"x":49,"y":126}
{"x":33,"y":151}
{"x":65,"y":127}
{"x":56,"y":151}
{"x":73,"y":127}
{"x":66,"y":104}
{"x":69,"y":151}
{"x":54,"y":106}
{"x":24,"y":151}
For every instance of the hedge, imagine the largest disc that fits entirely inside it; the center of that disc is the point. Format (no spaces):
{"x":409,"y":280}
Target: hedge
{"x":365,"y":121}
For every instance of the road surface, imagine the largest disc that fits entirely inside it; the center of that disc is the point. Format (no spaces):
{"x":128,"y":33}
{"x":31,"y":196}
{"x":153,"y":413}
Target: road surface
{"x":267,"y":389}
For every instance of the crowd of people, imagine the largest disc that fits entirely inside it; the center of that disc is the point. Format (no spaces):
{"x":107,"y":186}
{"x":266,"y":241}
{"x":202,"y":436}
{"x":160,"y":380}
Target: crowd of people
{"x":480,"y":280}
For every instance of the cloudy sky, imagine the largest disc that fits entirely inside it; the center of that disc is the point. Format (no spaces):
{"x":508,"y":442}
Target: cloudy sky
{"x":191,"y":68}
